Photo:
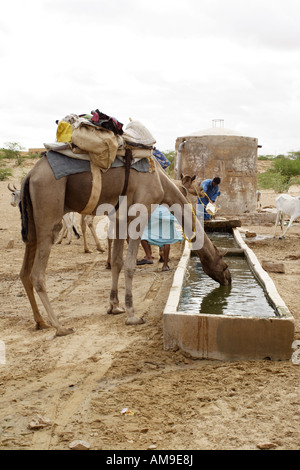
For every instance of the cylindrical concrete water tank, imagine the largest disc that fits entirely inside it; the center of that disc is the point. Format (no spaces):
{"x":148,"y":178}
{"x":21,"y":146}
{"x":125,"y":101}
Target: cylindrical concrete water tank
{"x":227,"y":154}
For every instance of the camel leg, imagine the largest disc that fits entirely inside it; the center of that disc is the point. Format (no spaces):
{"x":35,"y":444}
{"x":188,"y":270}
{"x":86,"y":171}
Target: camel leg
{"x":29,"y":256}
{"x":109,"y":248}
{"x":116,"y":266}
{"x":110,"y":238}
{"x":129,"y":268}
{"x":37,"y":278}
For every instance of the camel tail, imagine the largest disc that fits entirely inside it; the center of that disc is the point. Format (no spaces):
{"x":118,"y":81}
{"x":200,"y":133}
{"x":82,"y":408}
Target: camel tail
{"x":24,"y":206}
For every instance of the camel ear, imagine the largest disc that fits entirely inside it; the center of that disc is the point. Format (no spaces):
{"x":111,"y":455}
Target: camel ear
{"x":181,"y":176}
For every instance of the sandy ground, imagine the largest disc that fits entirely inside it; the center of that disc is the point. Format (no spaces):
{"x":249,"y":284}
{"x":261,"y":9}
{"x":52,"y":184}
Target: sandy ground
{"x":82,"y":382}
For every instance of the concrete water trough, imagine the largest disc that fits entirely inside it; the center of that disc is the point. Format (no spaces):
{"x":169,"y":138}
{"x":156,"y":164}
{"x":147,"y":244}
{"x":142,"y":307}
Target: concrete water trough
{"x":265,"y":331}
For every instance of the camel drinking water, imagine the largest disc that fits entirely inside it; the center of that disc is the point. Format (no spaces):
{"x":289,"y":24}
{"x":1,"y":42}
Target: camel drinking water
{"x":40,"y":228}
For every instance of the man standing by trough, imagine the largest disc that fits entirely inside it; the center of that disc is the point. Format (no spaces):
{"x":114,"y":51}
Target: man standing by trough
{"x":211,"y":189}
{"x":161,"y":230}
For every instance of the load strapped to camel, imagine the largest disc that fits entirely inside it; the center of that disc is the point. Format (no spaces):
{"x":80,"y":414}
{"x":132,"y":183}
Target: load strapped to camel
{"x":100,"y":139}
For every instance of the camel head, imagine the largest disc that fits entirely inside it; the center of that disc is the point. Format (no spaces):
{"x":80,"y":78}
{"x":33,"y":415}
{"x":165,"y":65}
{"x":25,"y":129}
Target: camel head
{"x":214,"y":266}
{"x":187,"y":180}
{"x":223,"y":276}
{"x":221,"y":271}
{"x":192,"y":185}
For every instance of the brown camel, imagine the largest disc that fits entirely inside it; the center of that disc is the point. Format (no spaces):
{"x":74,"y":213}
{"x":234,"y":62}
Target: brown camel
{"x":44,"y":201}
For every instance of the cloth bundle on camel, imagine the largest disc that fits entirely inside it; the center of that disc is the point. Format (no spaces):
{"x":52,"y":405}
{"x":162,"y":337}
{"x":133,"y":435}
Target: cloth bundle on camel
{"x":100,"y":139}
{"x":84,"y":139}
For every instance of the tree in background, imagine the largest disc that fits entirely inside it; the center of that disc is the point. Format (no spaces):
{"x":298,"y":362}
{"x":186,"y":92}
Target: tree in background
{"x":12,"y":151}
{"x":170,"y":155}
{"x":284,"y":172}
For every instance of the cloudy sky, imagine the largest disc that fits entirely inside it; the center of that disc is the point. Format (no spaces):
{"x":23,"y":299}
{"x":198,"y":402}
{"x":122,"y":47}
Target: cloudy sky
{"x":174,"y":65}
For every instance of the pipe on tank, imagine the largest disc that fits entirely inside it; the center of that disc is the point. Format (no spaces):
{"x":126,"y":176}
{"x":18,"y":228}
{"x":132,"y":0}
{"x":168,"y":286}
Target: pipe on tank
{"x":179,"y":159}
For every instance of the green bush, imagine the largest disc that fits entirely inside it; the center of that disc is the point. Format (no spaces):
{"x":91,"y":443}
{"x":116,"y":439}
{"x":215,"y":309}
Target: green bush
{"x":265,"y":157}
{"x":282,"y":174}
{"x":31,"y":156}
{"x":294,"y":154}
{"x":170,"y":155}
{"x":5,"y":173}
{"x":287,"y":167}
{"x":12,"y":151}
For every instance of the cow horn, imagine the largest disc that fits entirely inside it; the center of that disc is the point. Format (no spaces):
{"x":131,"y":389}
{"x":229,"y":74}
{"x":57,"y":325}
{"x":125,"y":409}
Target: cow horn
{"x":10,"y":188}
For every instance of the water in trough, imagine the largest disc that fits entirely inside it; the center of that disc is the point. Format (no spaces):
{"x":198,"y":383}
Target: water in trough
{"x":245,"y":297}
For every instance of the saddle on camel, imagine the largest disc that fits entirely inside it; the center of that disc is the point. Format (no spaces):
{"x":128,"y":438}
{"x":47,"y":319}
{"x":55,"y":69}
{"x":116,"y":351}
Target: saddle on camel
{"x":81,"y":172}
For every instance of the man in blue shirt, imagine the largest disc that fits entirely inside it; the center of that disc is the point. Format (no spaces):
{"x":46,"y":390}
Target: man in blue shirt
{"x":211,"y":188}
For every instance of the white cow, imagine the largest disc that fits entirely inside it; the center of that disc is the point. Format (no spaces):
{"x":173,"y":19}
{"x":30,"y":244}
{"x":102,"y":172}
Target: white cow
{"x":15,"y":195}
{"x":69,"y":225}
{"x":88,"y":220}
{"x":287,"y":205}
